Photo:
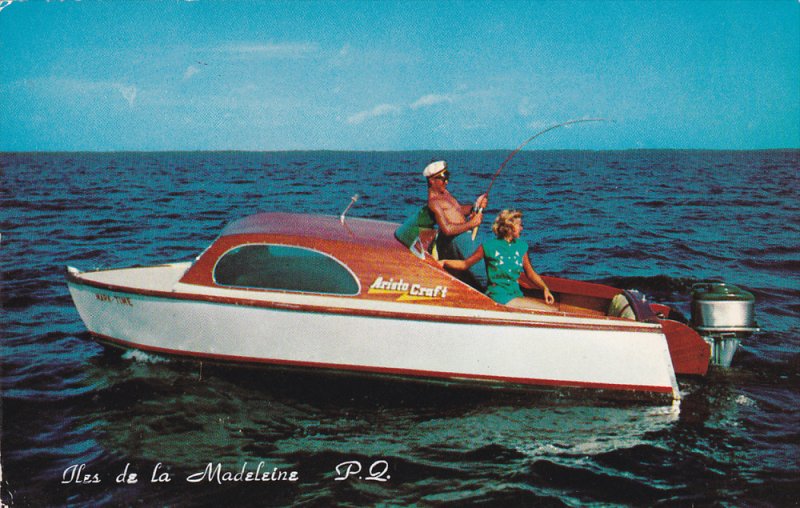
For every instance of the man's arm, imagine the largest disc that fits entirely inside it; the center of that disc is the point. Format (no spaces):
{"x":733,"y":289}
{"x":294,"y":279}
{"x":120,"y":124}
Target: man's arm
{"x":447,"y":219}
{"x":480,"y":204}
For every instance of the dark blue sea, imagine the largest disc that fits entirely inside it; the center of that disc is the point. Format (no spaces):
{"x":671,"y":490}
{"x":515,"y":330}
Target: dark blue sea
{"x":76,"y":414}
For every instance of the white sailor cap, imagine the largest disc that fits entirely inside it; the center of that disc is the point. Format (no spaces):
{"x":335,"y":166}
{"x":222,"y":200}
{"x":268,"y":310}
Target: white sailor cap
{"x":434,"y":168}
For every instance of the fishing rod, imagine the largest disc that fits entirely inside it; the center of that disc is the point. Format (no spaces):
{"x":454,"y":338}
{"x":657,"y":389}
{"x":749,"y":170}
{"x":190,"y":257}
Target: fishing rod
{"x":520,"y":147}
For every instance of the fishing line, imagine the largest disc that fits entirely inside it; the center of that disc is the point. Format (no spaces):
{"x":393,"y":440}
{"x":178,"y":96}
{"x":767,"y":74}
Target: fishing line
{"x":520,"y":147}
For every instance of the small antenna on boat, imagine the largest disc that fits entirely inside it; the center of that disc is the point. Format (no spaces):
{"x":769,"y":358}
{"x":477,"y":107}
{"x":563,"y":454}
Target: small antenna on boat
{"x":352,"y":200}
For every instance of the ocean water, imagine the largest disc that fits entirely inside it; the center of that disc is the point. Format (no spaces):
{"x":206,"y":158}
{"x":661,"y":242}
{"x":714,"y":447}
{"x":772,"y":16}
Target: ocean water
{"x":79,"y":419}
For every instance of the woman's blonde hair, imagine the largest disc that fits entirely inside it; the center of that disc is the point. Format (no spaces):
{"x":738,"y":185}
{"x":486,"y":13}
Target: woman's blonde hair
{"x":503,"y":223}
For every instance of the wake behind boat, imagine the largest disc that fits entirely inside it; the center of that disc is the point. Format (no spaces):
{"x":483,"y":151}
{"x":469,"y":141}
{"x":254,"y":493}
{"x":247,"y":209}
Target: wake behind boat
{"x":323,"y":293}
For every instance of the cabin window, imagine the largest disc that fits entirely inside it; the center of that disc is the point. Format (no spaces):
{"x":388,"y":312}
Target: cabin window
{"x":284,"y":268}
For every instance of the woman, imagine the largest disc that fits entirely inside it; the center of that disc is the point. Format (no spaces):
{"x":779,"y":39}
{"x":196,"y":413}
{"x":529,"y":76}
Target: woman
{"x":506,"y":256}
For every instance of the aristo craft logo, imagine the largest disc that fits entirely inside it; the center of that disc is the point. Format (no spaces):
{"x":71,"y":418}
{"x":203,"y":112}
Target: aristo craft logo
{"x":406,"y":291}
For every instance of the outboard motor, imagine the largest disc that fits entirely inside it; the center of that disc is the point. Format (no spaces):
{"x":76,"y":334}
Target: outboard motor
{"x":723,"y":315}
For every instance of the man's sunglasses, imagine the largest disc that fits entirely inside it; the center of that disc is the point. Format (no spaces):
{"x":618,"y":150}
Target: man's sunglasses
{"x":444,"y":175}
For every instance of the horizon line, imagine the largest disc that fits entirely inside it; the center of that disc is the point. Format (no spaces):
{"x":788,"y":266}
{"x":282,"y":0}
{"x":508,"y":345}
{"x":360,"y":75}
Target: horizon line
{"x":342,"y":150}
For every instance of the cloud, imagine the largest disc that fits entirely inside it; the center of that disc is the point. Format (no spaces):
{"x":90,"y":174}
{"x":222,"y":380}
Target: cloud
{"x":289,"y":50}
{"x":87,"y":88}
{"x":431,"y":100}
{"x":425,"y":101}
{"x":524,"y":107}
{"x":379,"y":110}
{"x":386,"y":109}
{"x":539,"y":124}
{"x":190,"y":71}
{"x":342,"y":57}
{"x":128,"y":92}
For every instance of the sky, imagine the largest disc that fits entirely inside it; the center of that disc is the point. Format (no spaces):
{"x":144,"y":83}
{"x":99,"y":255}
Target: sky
{"x":397,"y":75}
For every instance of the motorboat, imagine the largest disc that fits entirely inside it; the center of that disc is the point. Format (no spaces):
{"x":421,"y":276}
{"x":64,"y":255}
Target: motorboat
{"x":363,"y":296}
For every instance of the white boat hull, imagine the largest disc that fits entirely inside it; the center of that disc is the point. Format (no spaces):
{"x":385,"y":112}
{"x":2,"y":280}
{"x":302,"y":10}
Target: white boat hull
{"x":559,"y":352}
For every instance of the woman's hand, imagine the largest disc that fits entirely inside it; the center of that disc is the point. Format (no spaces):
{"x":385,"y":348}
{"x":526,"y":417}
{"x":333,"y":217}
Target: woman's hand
{"x":548,"y":297}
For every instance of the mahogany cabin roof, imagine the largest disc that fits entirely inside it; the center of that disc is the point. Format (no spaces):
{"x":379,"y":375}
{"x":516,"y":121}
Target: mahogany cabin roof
{"x":367,"y":247}
{"x":360,"y":232}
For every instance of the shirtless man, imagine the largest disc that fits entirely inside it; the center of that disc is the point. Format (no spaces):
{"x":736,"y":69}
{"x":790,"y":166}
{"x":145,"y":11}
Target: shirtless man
{"x":455,"y":221}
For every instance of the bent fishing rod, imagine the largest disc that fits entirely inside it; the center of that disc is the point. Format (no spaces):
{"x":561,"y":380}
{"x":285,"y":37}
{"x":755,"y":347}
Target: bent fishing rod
{"x":520,"y":147}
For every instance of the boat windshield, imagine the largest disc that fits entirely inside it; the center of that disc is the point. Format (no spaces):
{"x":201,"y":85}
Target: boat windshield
{"x":283,"y":267}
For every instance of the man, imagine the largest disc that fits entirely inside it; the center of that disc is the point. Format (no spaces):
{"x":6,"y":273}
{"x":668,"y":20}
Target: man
{"x":455,"y":221}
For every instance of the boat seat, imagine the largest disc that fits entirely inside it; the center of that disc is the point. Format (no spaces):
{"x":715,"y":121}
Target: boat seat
{"x":531,"y":303}
{"x":620,"y":307}
{"x":417,"y":232}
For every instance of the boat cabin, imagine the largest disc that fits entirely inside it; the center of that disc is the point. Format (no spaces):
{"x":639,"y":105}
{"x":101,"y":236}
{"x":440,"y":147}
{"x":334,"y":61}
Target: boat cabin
{"x":364,"y":259}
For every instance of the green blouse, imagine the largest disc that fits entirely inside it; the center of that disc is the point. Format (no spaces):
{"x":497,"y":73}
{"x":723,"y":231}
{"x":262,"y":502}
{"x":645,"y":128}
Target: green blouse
{"x":503,"y":268}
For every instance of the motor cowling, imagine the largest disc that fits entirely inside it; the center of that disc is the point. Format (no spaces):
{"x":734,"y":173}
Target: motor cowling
{"x":723,"y":314}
